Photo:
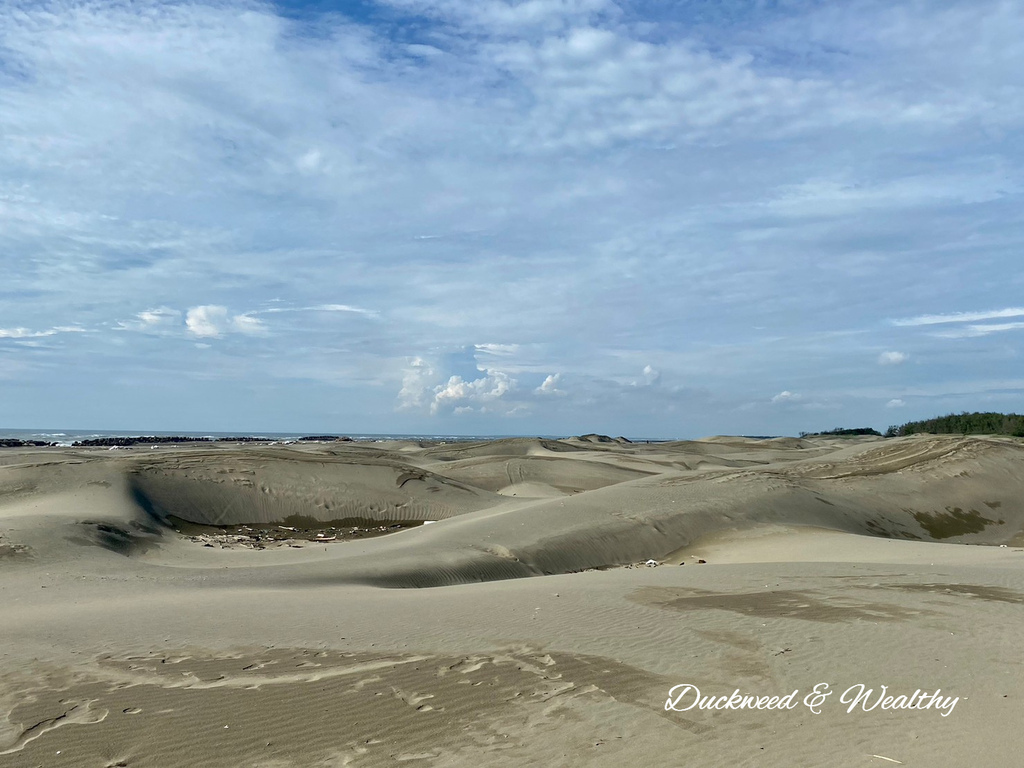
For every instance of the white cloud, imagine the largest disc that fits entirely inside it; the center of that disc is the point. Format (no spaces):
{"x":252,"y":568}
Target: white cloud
{"x":786,"y":396}
{"x":594,"y":87}
{"x":26,"y":333}
{"x":892,"y":358}
{"x":23,"y":333}
{"x":157,"y":321}
{"x":838,"y":196}
{"x":427,"y":388}
{"x":207,"y":321}
{"x":315,"y":308}
{"x":161,"y":316}
{"x":212,"y":321}
{"x":497,"y":350}
{"x":161,"y":321}
{"x":895,"y":403}
{"x":416,"y":381}
{"x":550,"y":385}
{"x":960,"y":317}
{"x":651,"y":376}
{"x":505,"y":16}
{"x":426,"y":51}
{"x":341,"y":308}
{"x":979,"y":330}
{"x":248,"y":324}
{"x":458,"y":392}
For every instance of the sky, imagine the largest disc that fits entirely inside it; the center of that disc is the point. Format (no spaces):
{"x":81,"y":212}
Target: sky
{"x":651,"y":218}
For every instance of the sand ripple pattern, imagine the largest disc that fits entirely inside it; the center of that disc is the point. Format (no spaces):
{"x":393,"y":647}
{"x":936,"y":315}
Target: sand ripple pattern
{"x":303,"y":707}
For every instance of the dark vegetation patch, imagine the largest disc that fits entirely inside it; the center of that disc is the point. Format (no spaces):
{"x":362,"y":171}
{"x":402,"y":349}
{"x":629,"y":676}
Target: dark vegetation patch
{"x":593,"y":437}
{"x":953,"y":522}
{"x":844,"y":432}
{"x":293,"y":528}
{"x":127,"y":442}
{"x":987,"y":423}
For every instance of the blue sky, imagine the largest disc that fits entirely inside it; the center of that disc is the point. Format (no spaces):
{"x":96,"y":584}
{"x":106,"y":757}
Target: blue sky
{"x":493,"y":217}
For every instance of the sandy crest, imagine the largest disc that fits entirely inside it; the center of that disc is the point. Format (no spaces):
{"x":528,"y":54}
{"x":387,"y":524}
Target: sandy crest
{"x":827,"y":561}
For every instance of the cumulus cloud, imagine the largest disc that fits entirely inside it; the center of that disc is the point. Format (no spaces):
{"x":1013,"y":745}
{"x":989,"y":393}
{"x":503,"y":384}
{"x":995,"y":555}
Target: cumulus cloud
{"x":416,"y":381}
{"x":430,"y":387}
{"x":459,"y":393}
{"x":550,"y":385}
{"x":892,"y":358}
{"x":895,"y":403}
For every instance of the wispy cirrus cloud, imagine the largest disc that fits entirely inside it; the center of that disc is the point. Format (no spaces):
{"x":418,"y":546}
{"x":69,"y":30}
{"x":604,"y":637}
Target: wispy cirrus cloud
{"x":316,"y":308}
{"x":960,"y":317}
{"x":974,"y":331}
{"x":27,"y":333}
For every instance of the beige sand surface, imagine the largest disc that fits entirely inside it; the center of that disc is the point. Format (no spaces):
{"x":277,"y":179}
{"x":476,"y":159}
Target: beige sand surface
{"x":520,"y":628}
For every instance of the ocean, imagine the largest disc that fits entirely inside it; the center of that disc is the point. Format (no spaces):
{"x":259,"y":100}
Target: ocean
{"x":66,"y":437}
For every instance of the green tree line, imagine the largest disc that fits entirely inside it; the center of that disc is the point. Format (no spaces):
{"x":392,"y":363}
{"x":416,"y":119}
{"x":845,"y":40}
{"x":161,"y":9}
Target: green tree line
{"x":964,"y":424}
{"x":843,"y":432}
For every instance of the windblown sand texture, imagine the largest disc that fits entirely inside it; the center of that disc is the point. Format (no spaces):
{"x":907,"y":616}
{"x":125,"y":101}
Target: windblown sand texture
{"x":520,"y":627}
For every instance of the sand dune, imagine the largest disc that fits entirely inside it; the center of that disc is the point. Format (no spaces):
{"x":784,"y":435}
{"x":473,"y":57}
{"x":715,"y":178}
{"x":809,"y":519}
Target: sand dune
{"x":537,"y":475}
{"x":827,"y":560}
{"x":275,"y":486}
